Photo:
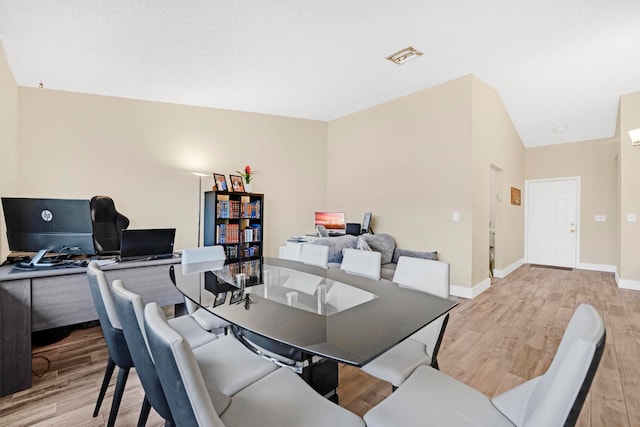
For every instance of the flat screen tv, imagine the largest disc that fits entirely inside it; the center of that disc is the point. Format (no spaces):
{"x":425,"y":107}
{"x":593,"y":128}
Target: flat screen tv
{"x":334,"y":222}
{"x":61,"y":226}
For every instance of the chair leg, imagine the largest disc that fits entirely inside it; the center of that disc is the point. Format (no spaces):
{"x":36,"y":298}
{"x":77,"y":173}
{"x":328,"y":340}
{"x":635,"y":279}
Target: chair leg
{"x":123,"y":373}
{"x":434,"y":364}
{"x":111,"y":365}
{"x":436,"y":348}
{"x":144,"y":412}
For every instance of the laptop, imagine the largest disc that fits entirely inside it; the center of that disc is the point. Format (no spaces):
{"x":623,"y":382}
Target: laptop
{"x":144,"y":244}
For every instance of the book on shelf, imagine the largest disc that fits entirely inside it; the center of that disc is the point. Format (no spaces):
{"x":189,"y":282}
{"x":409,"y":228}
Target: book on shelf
{"x":252,"y":234}
{"x":250,"y":268}
{"x":250,"y":209}
{"x":251,"y":251}
{"x":227,"y":233}
{"x":231,"y":251}
{"x":228,"y":209}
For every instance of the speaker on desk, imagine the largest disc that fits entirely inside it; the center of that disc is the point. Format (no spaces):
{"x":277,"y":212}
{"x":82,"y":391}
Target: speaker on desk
{"x":353,"y":228}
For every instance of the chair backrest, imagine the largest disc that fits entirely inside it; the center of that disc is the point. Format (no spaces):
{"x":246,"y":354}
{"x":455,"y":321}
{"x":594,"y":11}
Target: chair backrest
{"x":361,"y":263}
{"x":556,"y":397}
{"x":108,"y":224}
{"x":108,"y":316}
{"x":203,"y":254}
{"x":317,"y":255}
{"x":206,"y":258}
{"x":291,"y":251}
{"x":130,"y":308}
{"x":423,"y":275}
{"x":188,"y":396}
{"x":431,"y":277}
{"x":202,"y":259}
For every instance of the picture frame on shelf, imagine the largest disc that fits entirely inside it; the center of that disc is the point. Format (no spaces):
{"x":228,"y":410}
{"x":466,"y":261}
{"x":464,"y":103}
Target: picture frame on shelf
{"x":221,"y":298}
{"x":220,"y":182}
{"x":236,"y":296}
{"x":236,"y":183}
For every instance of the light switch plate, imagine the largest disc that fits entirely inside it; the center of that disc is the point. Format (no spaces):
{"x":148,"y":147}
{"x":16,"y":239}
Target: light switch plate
{"x":600,"y":218}
{"x":631,"y":217}
{"x":456,"y":216}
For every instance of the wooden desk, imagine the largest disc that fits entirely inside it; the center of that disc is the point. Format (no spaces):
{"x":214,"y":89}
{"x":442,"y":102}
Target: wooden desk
{"x":37,"y":300}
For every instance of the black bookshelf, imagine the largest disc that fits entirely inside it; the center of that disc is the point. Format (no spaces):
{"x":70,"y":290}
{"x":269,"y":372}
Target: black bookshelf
{"x":235,"y":221}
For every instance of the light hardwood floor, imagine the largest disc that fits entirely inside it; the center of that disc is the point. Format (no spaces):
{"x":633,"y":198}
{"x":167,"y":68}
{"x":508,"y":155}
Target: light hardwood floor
{"x":503,"y":337}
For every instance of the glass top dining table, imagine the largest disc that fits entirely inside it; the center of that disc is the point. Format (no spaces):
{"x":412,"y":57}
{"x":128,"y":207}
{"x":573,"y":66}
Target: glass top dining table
{"x":323,"y":312}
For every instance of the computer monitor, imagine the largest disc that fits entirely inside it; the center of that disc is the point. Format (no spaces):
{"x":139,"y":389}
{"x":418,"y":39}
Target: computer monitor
{"x":153,"y":243}
{"x":334,"y":222}
{"x":60,"y":226}
{"x":366,"y":223}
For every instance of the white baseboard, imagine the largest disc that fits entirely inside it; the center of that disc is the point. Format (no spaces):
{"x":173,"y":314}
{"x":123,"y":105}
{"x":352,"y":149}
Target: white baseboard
{"x":627,"y":284}
{"x":470,"y":293}
{"x":502,"y":273}
{"x":596,"y":267}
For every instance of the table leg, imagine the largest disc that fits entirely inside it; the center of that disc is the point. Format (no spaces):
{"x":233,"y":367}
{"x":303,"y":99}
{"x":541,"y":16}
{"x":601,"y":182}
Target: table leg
{"x":322,"y":376}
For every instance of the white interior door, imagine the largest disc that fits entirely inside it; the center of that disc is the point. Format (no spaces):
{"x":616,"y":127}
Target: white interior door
{"x":552,"y":222}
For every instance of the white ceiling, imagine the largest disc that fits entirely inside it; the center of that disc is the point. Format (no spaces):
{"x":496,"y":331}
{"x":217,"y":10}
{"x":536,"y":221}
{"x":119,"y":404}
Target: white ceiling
{"x":553,"y":62}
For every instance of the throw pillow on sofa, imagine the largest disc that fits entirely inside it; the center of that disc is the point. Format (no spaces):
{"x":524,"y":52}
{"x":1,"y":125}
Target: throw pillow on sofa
{"x":397,"y":253}
{"x":336,"y":245}
{"x":382,"y":243}
{"x":362,"y":245}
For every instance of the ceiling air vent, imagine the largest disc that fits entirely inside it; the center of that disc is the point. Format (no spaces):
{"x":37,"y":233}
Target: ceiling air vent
{"x":404,"y":55}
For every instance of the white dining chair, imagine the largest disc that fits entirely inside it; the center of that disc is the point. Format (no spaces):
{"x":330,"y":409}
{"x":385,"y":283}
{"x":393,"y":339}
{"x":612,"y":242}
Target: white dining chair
{"x":421,"y":348}
{"x":118,"y":350}
{"x":191,"y":259}
{"x":361,"y":263}
{"x":225,"y":363}
{"x":291,"y":251}
{"x":317,"y":255}
{"x":280,"y":398}
{"x":554,"y":399}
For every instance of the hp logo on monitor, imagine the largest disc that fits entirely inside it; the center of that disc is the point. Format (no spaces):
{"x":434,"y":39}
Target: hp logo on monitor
{"x":46,"y":215}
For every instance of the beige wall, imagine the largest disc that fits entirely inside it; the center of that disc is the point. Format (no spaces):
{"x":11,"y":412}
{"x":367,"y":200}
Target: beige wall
{"x":415,"y":160}
{"x":628,"y":265}
{"x":140,"y":153}
{"x":412,"y":162}
{"x":495,"y":142}
{"x":8,"y":140}
{"x":408,"y":161}
{"x":595,"y":162}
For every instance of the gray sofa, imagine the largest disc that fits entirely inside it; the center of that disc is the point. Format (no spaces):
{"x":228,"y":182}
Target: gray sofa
{"x":383,"y":243}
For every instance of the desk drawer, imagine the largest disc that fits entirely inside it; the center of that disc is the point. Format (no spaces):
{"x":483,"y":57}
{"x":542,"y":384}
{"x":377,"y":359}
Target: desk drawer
{"x":60,"y":301}
{"x":152,"y":283}
{"x":66,"y":300}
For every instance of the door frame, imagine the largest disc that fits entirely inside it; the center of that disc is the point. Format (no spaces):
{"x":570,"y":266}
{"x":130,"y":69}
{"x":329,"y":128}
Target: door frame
{"x":526,"y":214}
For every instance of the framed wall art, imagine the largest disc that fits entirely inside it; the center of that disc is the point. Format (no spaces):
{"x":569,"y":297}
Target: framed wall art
{"x":515,"y":196}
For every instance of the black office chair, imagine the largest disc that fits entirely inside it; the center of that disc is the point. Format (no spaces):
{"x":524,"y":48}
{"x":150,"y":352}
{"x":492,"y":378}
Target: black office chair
{"x":108,"y":224}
